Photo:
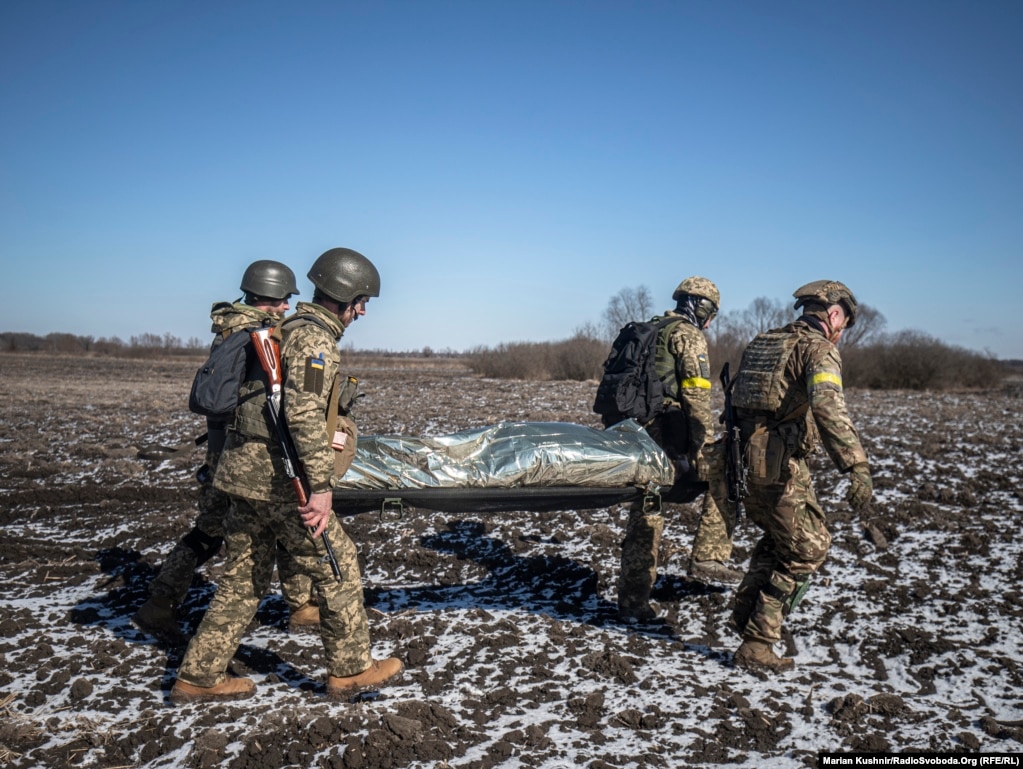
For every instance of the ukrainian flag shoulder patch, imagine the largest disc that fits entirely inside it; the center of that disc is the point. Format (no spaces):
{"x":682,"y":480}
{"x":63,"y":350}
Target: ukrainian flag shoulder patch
{"x":314,"y":374}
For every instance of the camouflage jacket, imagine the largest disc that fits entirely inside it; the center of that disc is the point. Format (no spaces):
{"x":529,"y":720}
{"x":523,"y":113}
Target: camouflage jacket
{"x":793,"y":376}
{"x":251,"y":464}
{"x":229,"y":317}
{"x":689,"y":387}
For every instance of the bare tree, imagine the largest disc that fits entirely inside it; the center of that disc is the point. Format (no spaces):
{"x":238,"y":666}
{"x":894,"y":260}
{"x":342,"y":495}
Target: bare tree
{"x":627,"y":305}
{"x":727,"y":337}
{"x":587,"y":331}
{"x":764,"y":314}
{"x":869,"y":327}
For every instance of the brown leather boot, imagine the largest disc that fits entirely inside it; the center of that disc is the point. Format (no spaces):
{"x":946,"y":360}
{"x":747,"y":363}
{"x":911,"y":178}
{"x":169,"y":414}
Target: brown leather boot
{"x":757,"y":655}
{"x":307,"y":615}
{"x":158,"y":617}
{"x":228,"y":689}
{"x":377,"y":673}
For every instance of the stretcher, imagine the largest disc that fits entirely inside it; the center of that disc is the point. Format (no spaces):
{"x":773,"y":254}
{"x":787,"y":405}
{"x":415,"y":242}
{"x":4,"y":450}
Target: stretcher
{"x":512,"y":466}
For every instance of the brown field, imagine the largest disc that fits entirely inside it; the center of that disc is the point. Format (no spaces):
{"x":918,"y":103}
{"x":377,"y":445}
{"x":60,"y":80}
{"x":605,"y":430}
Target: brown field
{"x":506,"y":622}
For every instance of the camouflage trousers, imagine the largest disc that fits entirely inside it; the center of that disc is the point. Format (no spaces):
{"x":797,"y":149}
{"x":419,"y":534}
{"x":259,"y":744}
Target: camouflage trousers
{"x":253,"y":530}
{"x":713,"y":540}
{"x":639,"y":558}
{"x":794,"y":546}
{"x":204,"y":541}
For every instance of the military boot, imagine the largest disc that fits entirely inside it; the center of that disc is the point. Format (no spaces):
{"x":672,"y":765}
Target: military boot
{"x":158,"y":618}
{"x":307,"y":615}
{"x":757,"y":655}
{"x":632,"y":610}
{"x":375,"y":674}
{"x":229,"y":689}
{"x":713,"y":571}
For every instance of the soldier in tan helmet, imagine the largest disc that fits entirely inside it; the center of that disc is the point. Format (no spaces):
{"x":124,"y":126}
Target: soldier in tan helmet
{"x":788,"y":398}
{"x":681,"y":429}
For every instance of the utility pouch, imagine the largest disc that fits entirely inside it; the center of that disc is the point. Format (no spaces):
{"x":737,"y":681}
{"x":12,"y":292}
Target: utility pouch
{"x":343,"y":441}
{"x":349,"y":393}
{"x":765,"y":456}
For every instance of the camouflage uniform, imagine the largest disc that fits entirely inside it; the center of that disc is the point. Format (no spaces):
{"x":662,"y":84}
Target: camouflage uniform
{"x":789,"y":387}
{"x":264,"y":510}
{"x":713,"y":540}
{"x":207,"y":534}
{"x":681,"y":430}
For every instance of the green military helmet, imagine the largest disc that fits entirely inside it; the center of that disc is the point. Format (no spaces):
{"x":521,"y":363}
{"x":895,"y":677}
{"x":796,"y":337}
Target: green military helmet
{"x":827,"y":293}
{"x":344,"y":275}
{"x":268,"y":279}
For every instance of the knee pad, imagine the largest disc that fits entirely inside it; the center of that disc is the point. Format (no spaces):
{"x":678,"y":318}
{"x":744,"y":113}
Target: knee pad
{"x":787,"y":589}
{"x":202,"y":544}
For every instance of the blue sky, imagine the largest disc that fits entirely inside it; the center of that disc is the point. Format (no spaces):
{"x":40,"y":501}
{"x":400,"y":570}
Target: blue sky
{"x":509,"y":166}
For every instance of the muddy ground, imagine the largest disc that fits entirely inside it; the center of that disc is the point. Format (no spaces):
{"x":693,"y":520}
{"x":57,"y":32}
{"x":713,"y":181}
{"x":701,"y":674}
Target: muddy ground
{"x":506,"y":622}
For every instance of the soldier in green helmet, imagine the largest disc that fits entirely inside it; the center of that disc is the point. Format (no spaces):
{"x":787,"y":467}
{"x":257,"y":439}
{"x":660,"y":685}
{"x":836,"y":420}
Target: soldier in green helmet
{"x":789,"y":399}
{"x":266,"y":288}
{"x":264,"y":508}
{"x":681,"y":429}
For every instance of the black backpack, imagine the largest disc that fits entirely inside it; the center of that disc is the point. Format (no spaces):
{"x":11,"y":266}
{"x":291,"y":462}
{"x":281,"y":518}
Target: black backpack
{"x":217,"y":382}
{"x":630,"y":387}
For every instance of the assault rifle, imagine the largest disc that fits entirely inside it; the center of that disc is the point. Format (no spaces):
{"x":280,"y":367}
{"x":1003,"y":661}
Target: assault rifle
{"x":735,"y":468}
{"x":269,"y":354}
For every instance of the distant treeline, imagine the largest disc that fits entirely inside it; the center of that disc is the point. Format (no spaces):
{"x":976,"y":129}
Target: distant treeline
{"x":152,"y":345}
{"x":144,"y":345}
{"x":906,"y":360}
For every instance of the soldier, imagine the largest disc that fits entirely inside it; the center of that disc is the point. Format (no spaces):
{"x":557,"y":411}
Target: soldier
{"x":266,"y":288}
{"x":681,"y":429}
{"x":788,"y":398}
{"x":265,"y":511}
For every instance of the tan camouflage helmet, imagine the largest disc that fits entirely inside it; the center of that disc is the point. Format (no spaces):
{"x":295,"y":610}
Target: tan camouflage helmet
{"x":827,"y":293}
{"x":697,"y":286}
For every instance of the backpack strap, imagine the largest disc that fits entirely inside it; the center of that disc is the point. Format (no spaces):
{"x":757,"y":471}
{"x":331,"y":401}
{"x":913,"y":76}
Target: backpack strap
{"x":335,"y":387}
{"x":663,"y":360}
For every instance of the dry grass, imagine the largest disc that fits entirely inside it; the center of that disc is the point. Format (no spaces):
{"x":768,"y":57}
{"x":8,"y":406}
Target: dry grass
{"x":14,"y":729}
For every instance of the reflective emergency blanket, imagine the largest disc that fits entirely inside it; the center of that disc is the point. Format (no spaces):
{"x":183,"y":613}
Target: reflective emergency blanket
{"x":512,"y":454}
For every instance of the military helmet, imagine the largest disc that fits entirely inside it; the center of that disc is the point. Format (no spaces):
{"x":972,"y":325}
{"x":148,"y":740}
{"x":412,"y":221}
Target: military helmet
{"x":705,"y":300}
{"x":269,"y":280}
{"x":827,"y":292}
{"x":344,"y":275}
{"x":697,"y":286}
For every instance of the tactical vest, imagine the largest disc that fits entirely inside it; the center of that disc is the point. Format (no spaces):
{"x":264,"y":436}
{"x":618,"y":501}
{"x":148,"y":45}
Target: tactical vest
{"x":761,"y":385}
{"x":766,"y":399}
{"x":251,"y":419}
